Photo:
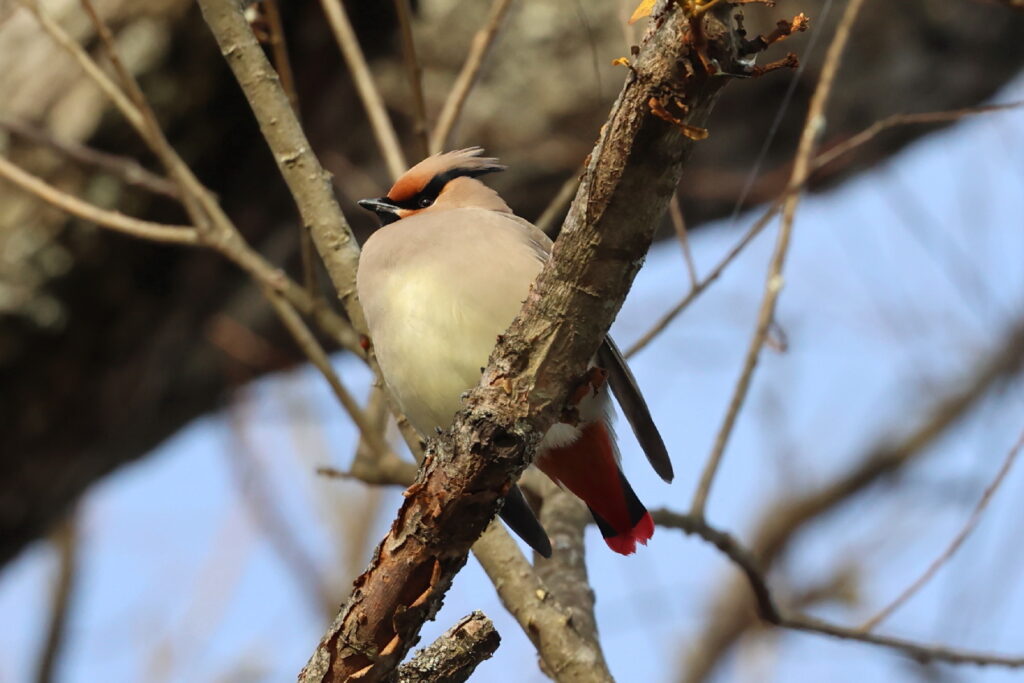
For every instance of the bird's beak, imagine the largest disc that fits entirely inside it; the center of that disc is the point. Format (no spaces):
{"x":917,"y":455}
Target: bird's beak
{"x":385,"y":210}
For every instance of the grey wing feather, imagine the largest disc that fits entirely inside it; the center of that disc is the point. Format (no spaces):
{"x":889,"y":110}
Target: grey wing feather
{"x":635,"y":408}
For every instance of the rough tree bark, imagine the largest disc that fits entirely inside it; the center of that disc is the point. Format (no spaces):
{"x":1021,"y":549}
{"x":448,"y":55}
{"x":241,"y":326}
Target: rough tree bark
{"x":629,"y":179}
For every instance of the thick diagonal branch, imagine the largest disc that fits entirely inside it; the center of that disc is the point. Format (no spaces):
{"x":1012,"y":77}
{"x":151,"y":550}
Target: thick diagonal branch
{"x":629,"y":179}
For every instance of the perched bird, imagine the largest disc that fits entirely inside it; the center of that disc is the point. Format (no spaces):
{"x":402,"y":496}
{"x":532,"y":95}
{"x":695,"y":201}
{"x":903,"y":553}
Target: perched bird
{"x":443,"y":277}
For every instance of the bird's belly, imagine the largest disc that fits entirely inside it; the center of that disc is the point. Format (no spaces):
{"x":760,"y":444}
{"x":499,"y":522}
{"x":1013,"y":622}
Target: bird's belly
{"x":434,"y":338}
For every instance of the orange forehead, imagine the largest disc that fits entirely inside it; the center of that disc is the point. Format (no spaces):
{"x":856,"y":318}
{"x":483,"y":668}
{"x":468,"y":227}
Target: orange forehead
{"x":406,"y":187}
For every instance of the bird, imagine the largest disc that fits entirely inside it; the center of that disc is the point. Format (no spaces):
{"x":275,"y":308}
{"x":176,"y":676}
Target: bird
{"x":439,"y":281}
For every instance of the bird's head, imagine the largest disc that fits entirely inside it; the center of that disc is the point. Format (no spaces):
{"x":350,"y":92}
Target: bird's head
{"x":439,"y":182}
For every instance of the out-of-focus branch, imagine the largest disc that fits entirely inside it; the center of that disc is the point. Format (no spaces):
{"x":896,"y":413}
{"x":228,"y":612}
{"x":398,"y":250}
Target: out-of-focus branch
{"x":954,"y":545}
{"x":211,"y":225}
{"x":377,"y":113}
{"x":65,"y":541}
{"x":126,"y":169}
{"x":821,"y":160}
{"x":675,"y":211}
{"x":454,"y":656}
{"x":240,"y":253}
{"x":318,"y":357}
{"x":695,"y":291}
{"x":256,"y":494}
{"x":415,"y":75}
{"x":732,"y":609}
{"x":156,"y":232}
{"x":547,"y":221}
{"x":773,"y":287}
{"x":482,"y":42}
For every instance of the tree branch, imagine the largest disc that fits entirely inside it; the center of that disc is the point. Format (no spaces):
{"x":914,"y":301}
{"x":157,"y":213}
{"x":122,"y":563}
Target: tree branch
{"x":454,"y":656}
{"x":773,"y":287}
{"x":632,"y":171}
{"x":482,"y":42}
{"x":731,"y":612}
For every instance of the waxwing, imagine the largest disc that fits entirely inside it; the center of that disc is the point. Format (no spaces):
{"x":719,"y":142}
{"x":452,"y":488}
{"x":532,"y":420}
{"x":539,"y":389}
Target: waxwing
{"x":443,"y":277}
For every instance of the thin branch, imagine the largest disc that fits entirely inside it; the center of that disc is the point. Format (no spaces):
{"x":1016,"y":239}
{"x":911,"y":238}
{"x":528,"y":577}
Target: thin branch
{"x":246,"y":258}
{"x":822,"y":159}
{"x":567,"y":653}
{"x":480,"y":47}
{"x":383,"y":129}
{"x":126,"y":169}
{"x":729,"y":546}
{"x":896,"y":120}
{"x":309,"y":183}
{"x":954,"y":545}
{"x":256,"y":493}
{"x":780,"y":523}
{"x":773,"y":287}
{"x":62,"y":38}
{"x":283,"y":65}
{"x":318,"y":357}
{"x":675,"y":212}
{"x":413,"y":70}
{"x":663,"y":322}
{"x":279,"y":49}
{"x":548,"y":219}
{"x":157,"y":232}
{"x":565,"y":518}
{"x":65,"y":541}
{"x":454,"y":656}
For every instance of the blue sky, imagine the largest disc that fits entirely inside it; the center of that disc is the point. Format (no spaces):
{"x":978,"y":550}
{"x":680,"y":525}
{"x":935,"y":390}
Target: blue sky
{"x":897,"y":283}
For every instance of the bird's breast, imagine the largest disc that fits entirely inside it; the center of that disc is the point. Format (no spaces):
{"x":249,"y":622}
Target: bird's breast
{"x":435,"y":308}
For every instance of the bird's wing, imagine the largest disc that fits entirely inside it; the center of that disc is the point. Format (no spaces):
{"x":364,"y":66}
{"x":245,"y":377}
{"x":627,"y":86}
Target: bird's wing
{"x":635,"y":408}
{"x":516,"y":513}
{"x":620,"y":378}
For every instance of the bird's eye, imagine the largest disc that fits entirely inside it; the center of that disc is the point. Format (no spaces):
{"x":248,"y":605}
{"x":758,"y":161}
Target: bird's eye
{"x":425,"y":202}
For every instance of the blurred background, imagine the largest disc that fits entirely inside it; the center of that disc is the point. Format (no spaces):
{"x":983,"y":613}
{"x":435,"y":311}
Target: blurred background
{"x":161,"y":515}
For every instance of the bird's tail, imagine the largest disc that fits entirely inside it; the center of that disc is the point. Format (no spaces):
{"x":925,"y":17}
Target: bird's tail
{"x":589,"y":468}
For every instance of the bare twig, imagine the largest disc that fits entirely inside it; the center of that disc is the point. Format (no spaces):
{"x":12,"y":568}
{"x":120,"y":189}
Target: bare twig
{"x":954,"y":545}
{"x":663,"y":322}
{"x":383,"y":129}
{"x":482,"y":42}
{"x":558,"y":204}
{"x":801,"y":169}
{"x":730,"y":616}
{"x":413,"y":70}
{"x":279,"y":48}
{"x":318,"y":357}
{"x":126,"y":169}
{"x":675,"y":212}
{"x":821,"y":160}
{"x":896,"y":120}
{"x":565,"y":518}
{"x":566,"y":653}
{"x":283,"y":65}
{"x":247,"y":259}
{"x":730,"y":547}
{"x":157,"y":232}
{"x":256,"y":493}
{"x":454,"y":656}
{"x":65,"y":541}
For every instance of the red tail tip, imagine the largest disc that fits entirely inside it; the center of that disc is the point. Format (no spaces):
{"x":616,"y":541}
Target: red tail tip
{"x":625,"y":544}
